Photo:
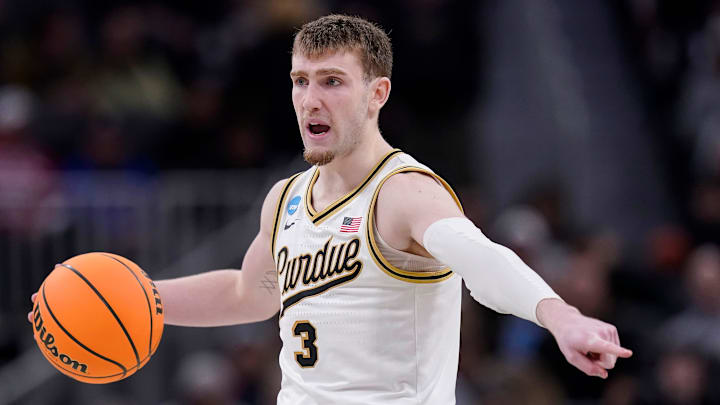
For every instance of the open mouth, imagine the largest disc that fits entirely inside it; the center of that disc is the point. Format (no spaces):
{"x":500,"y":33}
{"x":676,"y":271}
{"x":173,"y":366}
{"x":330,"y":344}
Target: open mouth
{"x":318,"y":129}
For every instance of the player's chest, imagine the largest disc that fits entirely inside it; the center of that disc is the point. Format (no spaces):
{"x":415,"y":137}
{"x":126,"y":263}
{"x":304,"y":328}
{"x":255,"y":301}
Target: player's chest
{"x":313,"y":256}
{"x":307,"y":254}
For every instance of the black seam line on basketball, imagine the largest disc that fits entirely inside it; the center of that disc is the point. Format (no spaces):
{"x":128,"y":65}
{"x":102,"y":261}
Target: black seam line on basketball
{"x":75,"y":339}
{"x":419,"y":277}
{"x":279,"y":209}
{"x":147,"y":299}
{"x":379,"y":166}
{"x":290,"y":301}
{"x":122,"y":326}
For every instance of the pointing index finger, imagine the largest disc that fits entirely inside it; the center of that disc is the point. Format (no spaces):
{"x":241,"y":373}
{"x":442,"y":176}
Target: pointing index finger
{"x":603,"y":346}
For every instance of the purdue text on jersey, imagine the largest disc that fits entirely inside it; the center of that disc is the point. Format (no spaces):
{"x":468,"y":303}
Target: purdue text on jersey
{"x":326,"y":268}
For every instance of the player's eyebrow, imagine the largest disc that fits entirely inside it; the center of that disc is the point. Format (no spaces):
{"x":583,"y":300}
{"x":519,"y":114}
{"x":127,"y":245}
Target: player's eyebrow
{"x":331,"y":72}
{"x":320,"y":72}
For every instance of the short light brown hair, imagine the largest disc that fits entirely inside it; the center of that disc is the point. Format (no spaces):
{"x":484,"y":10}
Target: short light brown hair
{"x":338,"y":32}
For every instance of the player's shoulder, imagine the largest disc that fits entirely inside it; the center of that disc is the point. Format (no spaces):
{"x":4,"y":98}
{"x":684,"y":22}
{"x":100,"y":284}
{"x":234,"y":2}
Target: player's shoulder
{"x":404,"y":183}
{"x":276,"y":189}
{"x":280,"y":187}
{"x":274,"y":197}
{"x":404,"y":193}
{"x":415,"y":191}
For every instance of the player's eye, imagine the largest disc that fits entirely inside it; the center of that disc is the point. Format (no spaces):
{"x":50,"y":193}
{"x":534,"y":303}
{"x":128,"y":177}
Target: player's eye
{"x":333,"y":82}
{"x":300,"y":81}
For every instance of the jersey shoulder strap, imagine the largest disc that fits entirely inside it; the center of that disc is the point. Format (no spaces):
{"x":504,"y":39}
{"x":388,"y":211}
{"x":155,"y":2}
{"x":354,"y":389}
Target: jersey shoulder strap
{"x":278,"y":209}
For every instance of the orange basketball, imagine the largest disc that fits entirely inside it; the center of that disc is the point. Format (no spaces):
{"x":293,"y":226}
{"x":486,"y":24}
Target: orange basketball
{"x":98,"y":318}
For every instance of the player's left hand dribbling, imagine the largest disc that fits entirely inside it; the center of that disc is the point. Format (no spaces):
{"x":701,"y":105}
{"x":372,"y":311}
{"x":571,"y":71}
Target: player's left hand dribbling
{"x":591,"y":345}
{"x":32,"y":299}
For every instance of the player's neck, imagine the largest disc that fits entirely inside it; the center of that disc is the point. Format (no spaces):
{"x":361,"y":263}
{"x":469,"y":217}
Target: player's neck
{"x":344,"y":173}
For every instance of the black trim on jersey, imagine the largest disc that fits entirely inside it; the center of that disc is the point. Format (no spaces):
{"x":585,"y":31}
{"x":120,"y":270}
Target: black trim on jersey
{"x":334,"y":206}
{"x":400,"y":274}
{"x":279,"y":210}
{"x":389,"y":270}
{"x":292,"y":300}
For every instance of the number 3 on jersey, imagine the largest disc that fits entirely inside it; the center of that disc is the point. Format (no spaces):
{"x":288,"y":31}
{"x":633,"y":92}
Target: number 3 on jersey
{"x":309,"y":356}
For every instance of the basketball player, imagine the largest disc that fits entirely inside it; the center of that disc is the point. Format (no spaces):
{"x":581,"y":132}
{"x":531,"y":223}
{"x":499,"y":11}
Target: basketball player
{"x":363,"y":254}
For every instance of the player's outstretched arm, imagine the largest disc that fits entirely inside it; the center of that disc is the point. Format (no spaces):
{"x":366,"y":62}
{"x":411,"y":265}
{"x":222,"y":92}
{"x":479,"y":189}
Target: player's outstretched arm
{"x":415,"y":210}
{"x":227,"y":297}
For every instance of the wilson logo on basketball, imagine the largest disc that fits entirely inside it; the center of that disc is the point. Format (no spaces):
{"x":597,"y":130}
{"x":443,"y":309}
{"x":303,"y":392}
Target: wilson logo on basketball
{"x":48,"y":340}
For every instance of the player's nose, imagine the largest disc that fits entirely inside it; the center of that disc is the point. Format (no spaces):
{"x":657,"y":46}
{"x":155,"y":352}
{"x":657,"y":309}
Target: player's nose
{"x":311,"y":98}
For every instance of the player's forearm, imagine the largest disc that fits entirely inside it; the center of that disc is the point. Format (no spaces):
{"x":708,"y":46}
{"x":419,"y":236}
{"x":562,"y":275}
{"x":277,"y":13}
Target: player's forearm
{"x":207,"y":299}
{"x":495,"y":275}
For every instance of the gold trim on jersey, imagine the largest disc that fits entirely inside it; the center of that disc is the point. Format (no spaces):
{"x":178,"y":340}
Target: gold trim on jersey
{"x":384,"y":264}
{"x":278,"y":210}
{"x":318,"y":217}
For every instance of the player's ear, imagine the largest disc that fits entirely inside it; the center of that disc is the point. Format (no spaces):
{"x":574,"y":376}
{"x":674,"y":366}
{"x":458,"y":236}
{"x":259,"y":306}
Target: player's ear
{"x":380,"y":88}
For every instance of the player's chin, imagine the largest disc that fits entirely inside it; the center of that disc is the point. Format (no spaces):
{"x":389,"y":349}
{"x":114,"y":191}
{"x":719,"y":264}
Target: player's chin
{"x":318,"y":156}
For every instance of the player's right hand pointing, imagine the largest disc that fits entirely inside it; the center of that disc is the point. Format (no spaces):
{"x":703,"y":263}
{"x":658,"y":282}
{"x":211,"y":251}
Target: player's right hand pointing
{"x":589,"y":344}
{"x":32,"y":299}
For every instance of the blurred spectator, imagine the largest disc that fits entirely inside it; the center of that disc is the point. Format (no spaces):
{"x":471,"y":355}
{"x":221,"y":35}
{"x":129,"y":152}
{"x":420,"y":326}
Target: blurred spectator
{"x":205,"y":378}
{"x":242,"y":146}
{"x":698,"y":326}
{"x":669,"y":246}
{"x":681,"y":378}
{"x":621,"y":390}
{"x":526,"y":232}
{"x":108,"y":144}
{"x":129,"y":81}
{"x":26,"y":178}
{"x":705,"y":210}
{"x":498,"y":383}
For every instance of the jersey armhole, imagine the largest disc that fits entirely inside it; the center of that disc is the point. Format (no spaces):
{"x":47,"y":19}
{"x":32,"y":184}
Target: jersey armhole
{"x":379,"y":259}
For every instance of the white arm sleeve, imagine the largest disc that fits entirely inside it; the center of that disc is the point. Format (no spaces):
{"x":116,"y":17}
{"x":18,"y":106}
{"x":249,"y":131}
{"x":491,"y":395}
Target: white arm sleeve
{"x":494,"y":274}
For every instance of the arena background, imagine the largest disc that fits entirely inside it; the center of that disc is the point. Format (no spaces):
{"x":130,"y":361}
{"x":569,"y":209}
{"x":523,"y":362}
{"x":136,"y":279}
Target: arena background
{"x":583,"y":134}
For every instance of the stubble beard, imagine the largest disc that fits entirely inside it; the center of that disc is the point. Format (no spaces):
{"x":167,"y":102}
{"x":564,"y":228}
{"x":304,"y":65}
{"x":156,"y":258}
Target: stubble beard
{"x":318,"y":158}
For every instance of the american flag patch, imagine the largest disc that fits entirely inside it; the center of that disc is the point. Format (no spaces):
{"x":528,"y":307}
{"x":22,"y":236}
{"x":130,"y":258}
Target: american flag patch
{"x":350,"y":224}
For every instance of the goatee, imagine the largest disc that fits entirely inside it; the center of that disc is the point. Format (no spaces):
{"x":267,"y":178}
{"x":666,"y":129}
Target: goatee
{"x":318,"y":158}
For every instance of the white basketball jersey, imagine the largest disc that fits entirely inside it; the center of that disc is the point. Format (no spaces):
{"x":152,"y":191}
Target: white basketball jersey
{"x":356,"y":329}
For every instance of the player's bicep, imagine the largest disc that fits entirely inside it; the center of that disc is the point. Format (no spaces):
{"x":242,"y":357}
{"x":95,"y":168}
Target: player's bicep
{"x":258,"y":280}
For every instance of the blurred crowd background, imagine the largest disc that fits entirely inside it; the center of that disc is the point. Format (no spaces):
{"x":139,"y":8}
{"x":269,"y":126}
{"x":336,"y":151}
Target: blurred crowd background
{"x":585,"y":135}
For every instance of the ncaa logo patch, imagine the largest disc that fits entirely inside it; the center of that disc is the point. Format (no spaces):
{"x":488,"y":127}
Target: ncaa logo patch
{"x":293,"y":205}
